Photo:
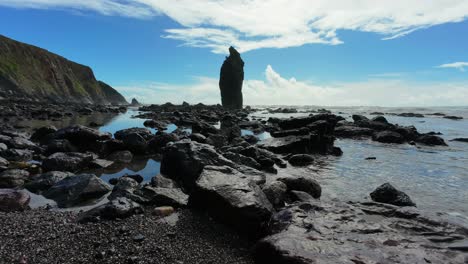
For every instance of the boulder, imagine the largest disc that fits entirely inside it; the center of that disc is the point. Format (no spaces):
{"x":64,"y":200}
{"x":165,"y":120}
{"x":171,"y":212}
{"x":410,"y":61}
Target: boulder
{"x":72,"y":161}
{"x":302,"y":183}
{"x":164,"y":196}
{"x":275,"y":191}
{"x":388,"y":194}
{"x":81,"y":136}
{"x":13,"y":200}
{"x":160,"y":140}
{"x":460,"y":140}
{"x":231,"y":79}
{"x":233,"y":198}
{"x":348,"y":131}
{"x":13,"y":178}
{"x":301,"y":160}
{"x":118,"y":208}
{"x":17,"y":154}
{"x":388,"y":137}
{"x":143,"y":132}
{"x":357,"y":118}
{"x":123,"y":156}
{"x":380,"y":119}
{"x":77,"y":189}
{"x":59,"y":145}
{"x":183,"y":161}
{"x":43,"y":133}
{"x":431,"y":140}
{"x":135,"y":143}
{"x":44,"y":181}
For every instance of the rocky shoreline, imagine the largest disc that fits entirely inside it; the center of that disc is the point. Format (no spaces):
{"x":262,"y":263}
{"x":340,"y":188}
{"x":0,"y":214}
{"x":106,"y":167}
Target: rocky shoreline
{"x":209,"y":167}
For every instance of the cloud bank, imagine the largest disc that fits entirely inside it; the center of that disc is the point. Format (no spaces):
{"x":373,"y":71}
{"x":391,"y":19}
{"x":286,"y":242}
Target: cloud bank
{"x":277,"y":90}
{"x":255,"y":24}
{"x":457,"y":65}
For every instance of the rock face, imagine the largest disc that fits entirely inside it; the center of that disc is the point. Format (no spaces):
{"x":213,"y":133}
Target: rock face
{"x":231,"y":79}
{"x":30,"y":72}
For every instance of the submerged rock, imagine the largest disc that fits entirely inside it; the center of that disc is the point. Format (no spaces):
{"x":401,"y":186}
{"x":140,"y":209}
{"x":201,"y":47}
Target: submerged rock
{"x":388,"y":137}
{"x":431,"y":140}
{"x":388,"y":194}
{"x":231,"y":79}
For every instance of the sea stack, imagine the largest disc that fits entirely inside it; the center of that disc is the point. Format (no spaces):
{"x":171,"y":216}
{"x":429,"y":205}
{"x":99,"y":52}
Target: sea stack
{"x":231,"y":79}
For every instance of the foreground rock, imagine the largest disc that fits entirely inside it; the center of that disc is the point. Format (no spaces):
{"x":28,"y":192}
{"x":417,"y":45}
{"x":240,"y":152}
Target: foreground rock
{"x":231,"y":79}
{"x":117,"y":208}
{"x":71,"y":161}
{"x":317,"y":232}
{"x":13,"y":200}
{"x":232,"y":198}
{"x":13,"y":178}
{"x":43,"y":182}
{"x":77,"y":189}
{"x":388,"y":194}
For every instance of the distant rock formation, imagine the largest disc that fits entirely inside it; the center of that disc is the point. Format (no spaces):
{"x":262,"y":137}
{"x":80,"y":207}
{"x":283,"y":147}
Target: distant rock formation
{"x":135,"y":102}
{"x":231,"y":79}
{"x":31,"y":73}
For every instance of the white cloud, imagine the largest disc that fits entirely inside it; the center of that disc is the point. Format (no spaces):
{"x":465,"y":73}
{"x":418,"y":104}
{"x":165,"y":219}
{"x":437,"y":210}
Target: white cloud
{"x":277,"y":90}
{"x":254,"y":24}
{"x":457,"y":65}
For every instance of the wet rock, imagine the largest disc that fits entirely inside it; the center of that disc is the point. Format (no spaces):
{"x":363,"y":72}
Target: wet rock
{"x":431,"y":140}
{"x":163,"y":182}
{"x":411,"y":115}
{"x":453,"y":117}
{"x":118,"y":208}
{"x":81,"y":136}
{"x":299,"y":196}
{"x":291,"y":132}
{"x":216,"y":140}
{"x":125,"y":187}
{"x":380,"y":119}
{"x":164,"y":196}
{"x":3,"y":147}
{"x":275,"y":191}
{"x":13,"y":178}
{"x":231,"y":79}
{"x":302,"y":183}
{"x":290,"y":144}
{"x":143,"y":132}
{"x":460,"y":140}
{"x":160,"y":140}
{"x":59,"y":145}
{"x":183,"y":161}
{"x":77,"y":189}
{"x":388,"y":194}
{"x":13,"y":200}
{"x":43,"y":182}
{"x":21,"y":143}
{"x":388,"y":137}
{"x":198,"y":137}
{"x":241,"y":159}
{"x":100,"y":164}
{"x":353,"y":131}
{"x":204,"y":129}
{"x":232,"y":198}
{"x":43,"y":133}
{"x":72,"y":161}
{"x":135,"y":143}
{"x":357,"y":118}
{"x":17,"y":154}
{"x":124,"y":156}
{"x":251,"y":139}
{"x":301,"y":160}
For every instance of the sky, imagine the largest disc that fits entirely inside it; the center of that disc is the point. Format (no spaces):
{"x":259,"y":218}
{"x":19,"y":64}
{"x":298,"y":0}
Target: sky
{"x":301,"y":52}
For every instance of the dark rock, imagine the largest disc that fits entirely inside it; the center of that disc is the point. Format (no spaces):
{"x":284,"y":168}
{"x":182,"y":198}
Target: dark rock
{"x":241,"y":159}
{"x":72,"y":161}
{"x":198,"y":137}
{"x":59,"y":145}
{"x":353,"y":131}
{"x":204,"y":129}
{"x":13,"y":178}
{"x":135,"y":102}
{"x":292,"y":132}
{"x":302,"y":183}
{"x":135,"y":143}
{"x":301,"y":160}
{"x":159,"y":141}
{"x":13,"y":200}
{"x":216,"y":140}
{"x":380,"y":119}
{"x":81,"y":136}
{"x":411,"y":115}
{"x":43,"y":182}
{"x":460,"y":140}
{"x":77,"y":189}
{"x":124,"y":156}
{"x":299,"y":196}
{"x":17,"y":154}
{"x":357,"y":118}
{"x":163,"y":182}
{"x":42,"y":133}
{"x":231,"y":79}
{"x":100,"y":164}
{"x":183,"y":161}
{"x":386,"y":193}
{"x":276,"y":193}
{"x":232,"y":198}
{"x":164,"y":196}
{"x":143,"y":132}
{"x":388,"y":137}
{"x":431,"y":140}
{"x":453,"y":117}
{"x":290,"y":144}
{"x":118,"y":208}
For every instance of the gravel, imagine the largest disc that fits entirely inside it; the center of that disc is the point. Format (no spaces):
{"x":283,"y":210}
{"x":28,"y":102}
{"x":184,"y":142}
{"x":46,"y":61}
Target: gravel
{"x":41,"y":236}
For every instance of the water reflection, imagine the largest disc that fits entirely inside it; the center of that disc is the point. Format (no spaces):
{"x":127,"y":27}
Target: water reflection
{"x":146,"y":167}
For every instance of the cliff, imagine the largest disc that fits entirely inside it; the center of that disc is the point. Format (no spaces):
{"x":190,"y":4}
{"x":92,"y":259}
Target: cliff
{"x":29,"y":72}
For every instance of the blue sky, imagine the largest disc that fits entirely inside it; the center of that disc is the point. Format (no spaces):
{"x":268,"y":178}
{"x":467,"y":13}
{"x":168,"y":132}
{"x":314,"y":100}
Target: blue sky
{"x":392,"y":55}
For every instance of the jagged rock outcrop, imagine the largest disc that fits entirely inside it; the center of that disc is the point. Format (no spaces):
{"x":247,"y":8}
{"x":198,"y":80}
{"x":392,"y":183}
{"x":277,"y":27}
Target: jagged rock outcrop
{"x":231,"y":79}
{"x":29,"y":72}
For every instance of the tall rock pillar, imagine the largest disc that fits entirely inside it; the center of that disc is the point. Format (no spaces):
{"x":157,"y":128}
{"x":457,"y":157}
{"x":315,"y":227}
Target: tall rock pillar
{"x":231,"y":79}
